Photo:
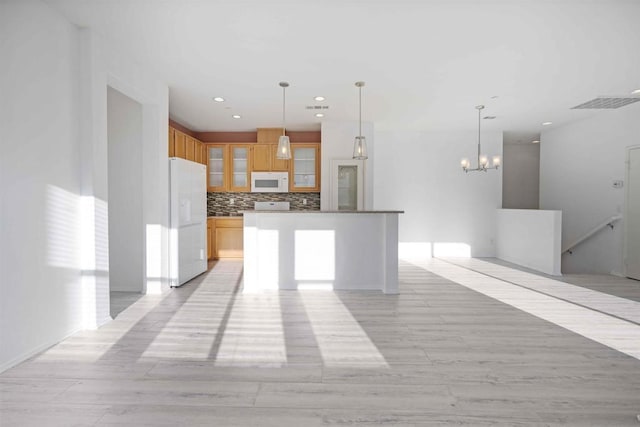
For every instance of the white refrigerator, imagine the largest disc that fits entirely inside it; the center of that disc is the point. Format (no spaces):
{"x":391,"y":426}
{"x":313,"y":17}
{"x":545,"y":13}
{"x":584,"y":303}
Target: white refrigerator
{"x":188,"y":220}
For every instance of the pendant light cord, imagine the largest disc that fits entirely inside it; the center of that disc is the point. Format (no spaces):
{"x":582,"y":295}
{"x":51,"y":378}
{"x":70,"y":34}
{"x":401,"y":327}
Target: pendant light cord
{"x":479,"y":111}
{"x":360,"y":111}
{"x":283,"y":104}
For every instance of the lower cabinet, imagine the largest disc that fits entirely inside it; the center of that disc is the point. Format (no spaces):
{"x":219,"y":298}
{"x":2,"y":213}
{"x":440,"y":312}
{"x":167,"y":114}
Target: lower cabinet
{"x":225,"y":238}
{"x":210,"y":227}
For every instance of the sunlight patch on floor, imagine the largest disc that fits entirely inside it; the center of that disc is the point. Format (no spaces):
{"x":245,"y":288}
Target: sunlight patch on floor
{"x":610,"y":331}
{"x":609,"y":304}
{"x":254,"y":334}
{"x":341,"y":340}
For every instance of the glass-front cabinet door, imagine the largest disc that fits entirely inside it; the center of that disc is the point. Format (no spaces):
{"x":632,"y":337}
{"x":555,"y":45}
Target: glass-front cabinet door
{"x":305,"y":170}
{"x":240,"y":167}
{"x":217,"y":168}
{"x":347,"y":189}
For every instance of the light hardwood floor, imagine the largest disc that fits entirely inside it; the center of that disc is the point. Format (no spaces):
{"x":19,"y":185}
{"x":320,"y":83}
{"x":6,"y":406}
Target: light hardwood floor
{"x":439,"y":353}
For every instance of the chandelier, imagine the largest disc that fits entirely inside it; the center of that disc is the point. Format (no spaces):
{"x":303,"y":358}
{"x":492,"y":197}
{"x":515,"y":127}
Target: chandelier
{"x":483,"y":160}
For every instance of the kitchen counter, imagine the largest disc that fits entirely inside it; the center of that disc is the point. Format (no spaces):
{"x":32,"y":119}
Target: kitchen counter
{"x":355,"y":250}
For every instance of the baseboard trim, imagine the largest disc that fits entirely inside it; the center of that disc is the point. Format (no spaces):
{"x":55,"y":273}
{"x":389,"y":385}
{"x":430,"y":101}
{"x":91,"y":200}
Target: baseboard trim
{"x":30,"y":353}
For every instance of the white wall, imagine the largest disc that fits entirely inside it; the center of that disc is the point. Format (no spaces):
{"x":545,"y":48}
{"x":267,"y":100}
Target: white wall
{"x":337,"y":144}
{"x":521,"y":176}
{"x":126,"y":232}
{"x":53,"y":177}
{"x":103,"y":65}
{"x":420,"y":173}
{"x":530,"y":238}
{"x":578,"y":164}
{"x":41,"y":300}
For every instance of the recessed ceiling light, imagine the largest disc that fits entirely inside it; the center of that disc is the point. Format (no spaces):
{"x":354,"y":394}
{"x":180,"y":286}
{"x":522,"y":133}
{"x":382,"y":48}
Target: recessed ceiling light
{"x":236,"y":116}
{"x":319,"y":98}
{"x":218,"y":99}
{"x":535,"y":142}
{"x":636,"y":92}
{"x":546,"y":123}
{"x":319,"y":115}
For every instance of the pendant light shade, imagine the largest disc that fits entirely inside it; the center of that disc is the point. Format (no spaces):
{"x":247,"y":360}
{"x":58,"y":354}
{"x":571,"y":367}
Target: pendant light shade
{"x":360,"y":148}
{"x":360,"y":143}
{"x":284,"y":146}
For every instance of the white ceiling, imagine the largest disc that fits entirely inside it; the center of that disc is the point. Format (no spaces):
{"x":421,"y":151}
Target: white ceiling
{"x":426,"y":64}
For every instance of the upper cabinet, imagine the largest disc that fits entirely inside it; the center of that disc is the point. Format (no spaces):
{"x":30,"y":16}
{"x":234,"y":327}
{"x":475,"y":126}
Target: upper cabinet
{"x":269,"y":135}
{"x":264,"y":159}
{"x":172,"y":145}
{"x":229,"y":167}
{"x":217,"y":158}
{"x":186,"y":147}
{"x":180,"y":144}
{"x":240,"y":167}
{"x":264,"y":152}
{"x":305,"y":167}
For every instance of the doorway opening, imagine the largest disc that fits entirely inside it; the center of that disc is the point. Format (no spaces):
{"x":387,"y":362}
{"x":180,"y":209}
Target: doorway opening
{"x":632,"y":215}
{"x":125,"y":209}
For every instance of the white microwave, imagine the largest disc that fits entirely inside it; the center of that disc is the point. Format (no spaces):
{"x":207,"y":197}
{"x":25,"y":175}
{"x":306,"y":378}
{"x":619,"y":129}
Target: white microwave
{"x":269,"y":182}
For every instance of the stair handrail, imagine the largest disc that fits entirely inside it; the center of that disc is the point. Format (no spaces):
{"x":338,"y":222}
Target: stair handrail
{"x":606,"y":223}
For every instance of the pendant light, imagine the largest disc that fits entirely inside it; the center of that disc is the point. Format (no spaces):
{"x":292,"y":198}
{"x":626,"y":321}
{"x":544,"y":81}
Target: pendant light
{"x":360,"y":143}
{"x":284,"y":147}
{"x":483,"y":161}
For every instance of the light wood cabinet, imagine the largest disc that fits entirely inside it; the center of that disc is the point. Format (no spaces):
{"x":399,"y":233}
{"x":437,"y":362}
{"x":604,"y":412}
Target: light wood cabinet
{"x":172,"y":142}
{"x":186,"y":147}
{"x":305,"y":167}
{"x":239,"y":167}
{"x":264,"y":159}
{"x":228,"y":238}
{"x":198,"y":153}
{"x":269,"y":135}
{"x":204,"y":154}
{"x":264,"y":152}
{"x":278,"y":165}
{"x":229,"y":167}
{"x":217,"y":159}
{"x":180,"y":144}
{"x":211,"y":226}
{"x":190,"y":149}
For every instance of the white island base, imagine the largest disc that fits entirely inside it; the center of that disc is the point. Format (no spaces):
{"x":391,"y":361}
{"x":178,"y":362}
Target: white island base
{"x":351,"y":250}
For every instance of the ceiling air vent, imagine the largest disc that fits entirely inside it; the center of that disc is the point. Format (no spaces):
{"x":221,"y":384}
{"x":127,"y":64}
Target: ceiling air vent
{"x":609,"y":102}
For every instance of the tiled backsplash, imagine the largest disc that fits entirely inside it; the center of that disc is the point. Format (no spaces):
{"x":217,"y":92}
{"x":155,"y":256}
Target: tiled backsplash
{"x":219,"y":204}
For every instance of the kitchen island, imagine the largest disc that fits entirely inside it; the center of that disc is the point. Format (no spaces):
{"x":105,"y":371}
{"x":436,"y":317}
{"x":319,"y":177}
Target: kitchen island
{"x":342,"y":250}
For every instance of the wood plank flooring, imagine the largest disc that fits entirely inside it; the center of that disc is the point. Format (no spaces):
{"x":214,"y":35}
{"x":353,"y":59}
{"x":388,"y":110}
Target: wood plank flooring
{"x":439,"y":353}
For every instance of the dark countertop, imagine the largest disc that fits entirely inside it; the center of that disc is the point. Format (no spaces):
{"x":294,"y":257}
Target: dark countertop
{"x":323,"y":212}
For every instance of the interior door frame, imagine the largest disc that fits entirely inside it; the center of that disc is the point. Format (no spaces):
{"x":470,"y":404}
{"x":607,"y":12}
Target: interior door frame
{"x":626,"y":208}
